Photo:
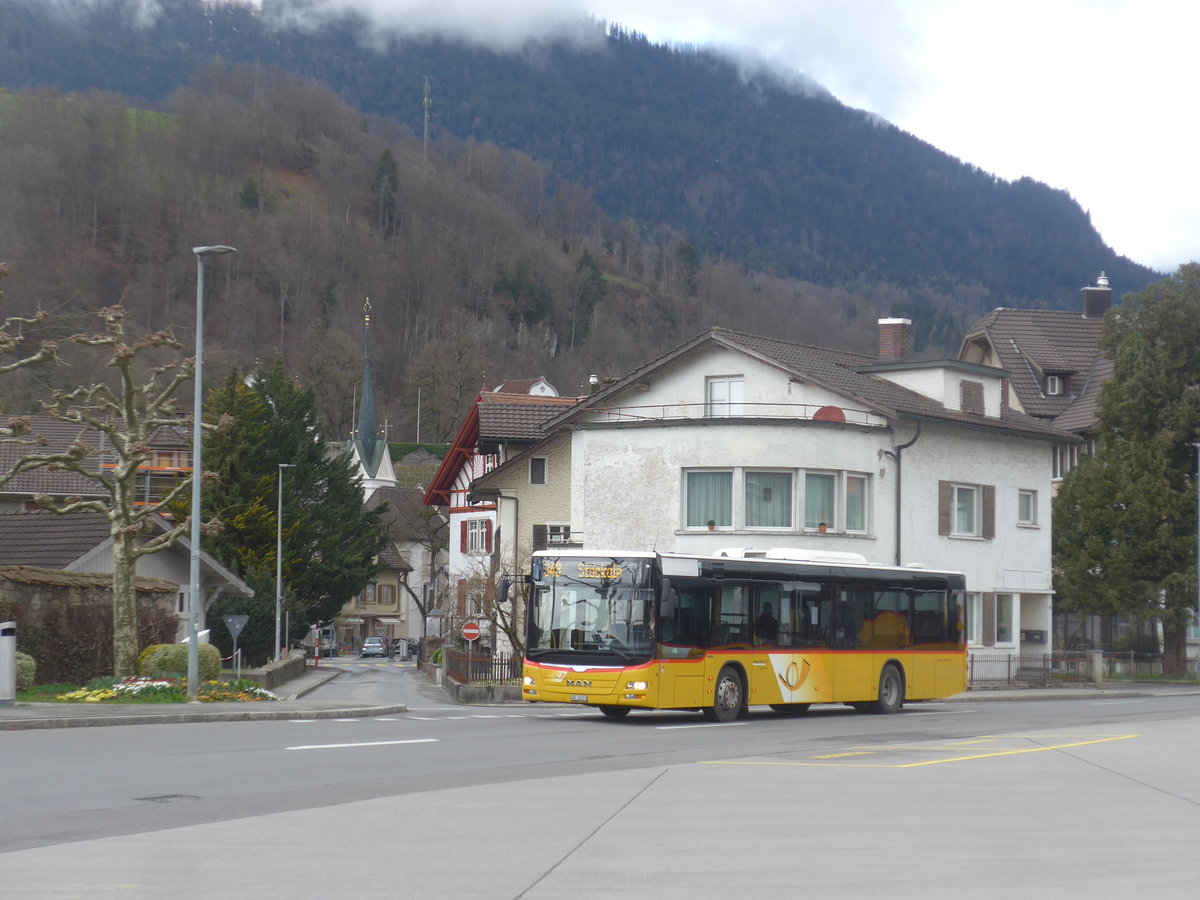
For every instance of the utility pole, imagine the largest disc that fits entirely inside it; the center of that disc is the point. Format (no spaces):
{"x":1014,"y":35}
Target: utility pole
{"x":428,"y":104}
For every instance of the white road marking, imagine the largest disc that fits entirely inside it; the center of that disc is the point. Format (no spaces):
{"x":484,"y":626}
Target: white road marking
{"x":363,"y":744}
{"x":702,"y":725}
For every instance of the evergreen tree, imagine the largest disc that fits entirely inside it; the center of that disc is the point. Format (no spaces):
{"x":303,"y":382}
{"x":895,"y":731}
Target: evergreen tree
{"x":330,"y":541}
{"x":1125,"y":519}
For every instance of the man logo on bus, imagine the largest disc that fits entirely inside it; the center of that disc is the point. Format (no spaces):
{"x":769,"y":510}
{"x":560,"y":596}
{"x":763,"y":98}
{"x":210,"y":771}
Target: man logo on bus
{"x":795,"y":675}
{"x":572,"y":683}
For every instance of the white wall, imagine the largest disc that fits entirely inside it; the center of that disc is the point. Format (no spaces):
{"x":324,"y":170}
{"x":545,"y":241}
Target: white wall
{"x":627,"y":486}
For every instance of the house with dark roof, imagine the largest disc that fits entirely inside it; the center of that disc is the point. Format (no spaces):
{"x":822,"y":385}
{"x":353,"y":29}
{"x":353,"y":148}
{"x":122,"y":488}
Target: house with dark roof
{"x":1054,"y":363}
{"x":734,"y":440}
{"x":82,"y":542}
{"x":393,"y":605}
{"x":497,"y":428}
{"x":170,"y":461}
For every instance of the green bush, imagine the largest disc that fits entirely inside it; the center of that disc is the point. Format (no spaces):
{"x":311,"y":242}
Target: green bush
{"x":26,"y":671}
{"x":146,"y":654}
{"x":171,"y":661}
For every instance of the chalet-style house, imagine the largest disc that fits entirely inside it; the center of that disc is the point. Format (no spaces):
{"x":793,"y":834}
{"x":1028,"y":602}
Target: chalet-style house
{"x":500,"y":425}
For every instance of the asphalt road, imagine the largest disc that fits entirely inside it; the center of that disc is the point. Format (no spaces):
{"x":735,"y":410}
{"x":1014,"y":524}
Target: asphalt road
{"x":991,"y":799}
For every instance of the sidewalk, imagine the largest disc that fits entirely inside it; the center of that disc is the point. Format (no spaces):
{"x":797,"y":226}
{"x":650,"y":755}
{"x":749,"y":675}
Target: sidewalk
{"x":292,"y":704}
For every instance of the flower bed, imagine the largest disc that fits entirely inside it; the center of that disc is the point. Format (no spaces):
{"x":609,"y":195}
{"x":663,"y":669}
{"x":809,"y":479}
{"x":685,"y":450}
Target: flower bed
{"x":164,"y":690}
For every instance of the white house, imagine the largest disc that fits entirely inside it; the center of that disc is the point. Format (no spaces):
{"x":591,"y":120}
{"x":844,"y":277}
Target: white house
{"x":734,"y":440}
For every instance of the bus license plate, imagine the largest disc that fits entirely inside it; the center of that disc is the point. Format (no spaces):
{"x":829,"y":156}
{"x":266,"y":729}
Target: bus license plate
{"x":579,"y":698}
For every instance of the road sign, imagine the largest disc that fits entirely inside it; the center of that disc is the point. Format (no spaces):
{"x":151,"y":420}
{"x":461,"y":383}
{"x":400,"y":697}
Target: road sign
{"x":470,"y":631}
{"x":235,"y":624}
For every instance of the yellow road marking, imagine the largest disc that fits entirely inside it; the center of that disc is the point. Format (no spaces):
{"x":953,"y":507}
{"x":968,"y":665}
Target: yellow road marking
{"x":1099,"y":739}
{"x":839,"y":755}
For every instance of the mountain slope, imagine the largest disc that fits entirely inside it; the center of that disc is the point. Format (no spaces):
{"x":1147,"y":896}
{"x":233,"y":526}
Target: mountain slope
{"x":749,"y":168}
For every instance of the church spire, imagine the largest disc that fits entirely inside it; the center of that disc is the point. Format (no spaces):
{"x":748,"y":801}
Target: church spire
{"x":367,"y":438}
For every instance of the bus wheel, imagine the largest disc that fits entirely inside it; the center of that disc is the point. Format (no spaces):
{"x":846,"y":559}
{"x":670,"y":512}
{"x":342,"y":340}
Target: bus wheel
{"x":790,"y":709}
{"x":727,"y":697}
{"x":615,"y":712}
{"x":891,"y":690}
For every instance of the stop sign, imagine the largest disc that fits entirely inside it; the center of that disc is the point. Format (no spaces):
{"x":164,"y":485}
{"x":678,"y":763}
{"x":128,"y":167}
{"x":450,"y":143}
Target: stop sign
{"x":470,"y":631}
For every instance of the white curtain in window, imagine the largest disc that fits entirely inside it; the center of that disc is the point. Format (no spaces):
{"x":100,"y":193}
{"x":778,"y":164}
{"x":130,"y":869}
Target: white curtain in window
{"x":964,"y":510}
{"x":768,"y":499}
{"x":856,"y":503}
{"x":709,"y":498}
{"x":818,"y":500}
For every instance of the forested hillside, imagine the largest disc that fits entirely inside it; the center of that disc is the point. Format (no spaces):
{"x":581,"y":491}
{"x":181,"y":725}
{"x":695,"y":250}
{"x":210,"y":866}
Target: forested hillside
{"x":644,"y":194}
{"x":476,"y":269}
{"x":746,"y":166}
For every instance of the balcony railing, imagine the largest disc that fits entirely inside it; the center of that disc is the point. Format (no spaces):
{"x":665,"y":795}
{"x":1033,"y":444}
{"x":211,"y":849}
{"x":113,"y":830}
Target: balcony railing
{"x":809,"y":412}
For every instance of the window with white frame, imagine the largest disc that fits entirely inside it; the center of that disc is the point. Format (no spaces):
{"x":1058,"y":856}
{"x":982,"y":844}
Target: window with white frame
{"x":1063,"y":459}
{"x":1005,"y":623}
{"x":966,"y":510}
{"x":709,"y":499}
{"x":477,"y":536}
{"x":724,"y":395}
{"x":756,"y":498}
{"x":537,"y":470}
{"x":558,"y":534}
{"x":768,"y":499}
{"x":856,"y":502}
{"x":1027,"y":511}
{"x":820,"y":505}
{"x":974,"y":611}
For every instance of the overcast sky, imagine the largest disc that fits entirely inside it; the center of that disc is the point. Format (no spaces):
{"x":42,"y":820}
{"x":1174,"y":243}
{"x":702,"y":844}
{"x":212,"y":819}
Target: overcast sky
{"x":1097,"y":97}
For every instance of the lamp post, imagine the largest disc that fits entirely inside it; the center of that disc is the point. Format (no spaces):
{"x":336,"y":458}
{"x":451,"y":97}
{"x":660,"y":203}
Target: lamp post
{"x":1197,"y":446}
{"x":279,"y":560}
{"x":194,"y":599}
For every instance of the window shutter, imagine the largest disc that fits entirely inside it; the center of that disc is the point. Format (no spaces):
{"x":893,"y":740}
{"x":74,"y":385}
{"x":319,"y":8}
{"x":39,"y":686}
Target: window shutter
{"x":989,"y":510}
{"x":971,"y":396}
{"x":943,"y":507}
{"x":989,"y":620}
{"x":487,"y":536}
{"x":539,"y":537}
{"x":465,"y":546}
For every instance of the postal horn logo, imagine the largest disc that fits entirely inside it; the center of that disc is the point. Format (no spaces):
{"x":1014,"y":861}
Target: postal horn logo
{"x":795,"y":675}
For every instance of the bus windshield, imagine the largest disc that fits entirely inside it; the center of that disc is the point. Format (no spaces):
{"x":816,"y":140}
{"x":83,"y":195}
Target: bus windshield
{"x":593,"y":609}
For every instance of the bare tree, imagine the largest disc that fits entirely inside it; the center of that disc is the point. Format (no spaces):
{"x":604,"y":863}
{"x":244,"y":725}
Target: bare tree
{"x":116,"y":423}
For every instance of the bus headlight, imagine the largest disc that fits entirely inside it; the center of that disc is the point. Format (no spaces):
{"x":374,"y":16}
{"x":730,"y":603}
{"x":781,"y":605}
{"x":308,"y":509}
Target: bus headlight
{"x":636,"y":686}
{"x":529,"y":681}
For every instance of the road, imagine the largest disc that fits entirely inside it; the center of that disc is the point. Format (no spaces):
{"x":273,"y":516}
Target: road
{"x":988,"y":799}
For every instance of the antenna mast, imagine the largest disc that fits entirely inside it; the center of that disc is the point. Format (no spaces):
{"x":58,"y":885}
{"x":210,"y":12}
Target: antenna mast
{"x":428,"y":103}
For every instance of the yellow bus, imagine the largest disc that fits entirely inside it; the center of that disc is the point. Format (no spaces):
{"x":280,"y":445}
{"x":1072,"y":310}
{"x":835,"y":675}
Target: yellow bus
{"x":782,"y":628}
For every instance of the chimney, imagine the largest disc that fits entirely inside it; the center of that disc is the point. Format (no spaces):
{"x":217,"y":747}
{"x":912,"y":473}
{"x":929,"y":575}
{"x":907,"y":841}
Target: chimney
{"x":893,"y":338}
{"x":1097,"y":298}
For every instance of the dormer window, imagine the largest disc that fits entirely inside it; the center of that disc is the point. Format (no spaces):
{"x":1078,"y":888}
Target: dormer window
{"x":1055,"y":385}
{"x":970,"y":395}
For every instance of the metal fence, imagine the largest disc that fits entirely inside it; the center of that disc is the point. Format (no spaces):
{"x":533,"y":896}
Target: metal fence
{"x":498,"y":668}
{"x":1027,"y":669}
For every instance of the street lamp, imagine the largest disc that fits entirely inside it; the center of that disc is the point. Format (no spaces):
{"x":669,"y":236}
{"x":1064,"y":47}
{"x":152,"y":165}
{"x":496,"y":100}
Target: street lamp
{"x":279,"y":559}
{"x":194,"y":600}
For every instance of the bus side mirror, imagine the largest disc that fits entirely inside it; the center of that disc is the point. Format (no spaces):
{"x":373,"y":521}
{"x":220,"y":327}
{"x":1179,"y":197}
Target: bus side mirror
{"x":666,"y":606}
{"x":507,"y":582}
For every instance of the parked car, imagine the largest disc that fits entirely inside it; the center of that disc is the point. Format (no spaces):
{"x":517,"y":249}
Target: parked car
{"x":404,"y":648}
{"x":373,"y":646}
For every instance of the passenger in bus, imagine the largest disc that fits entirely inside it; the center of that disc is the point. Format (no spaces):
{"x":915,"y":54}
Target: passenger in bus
{"x":766,"y":626}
